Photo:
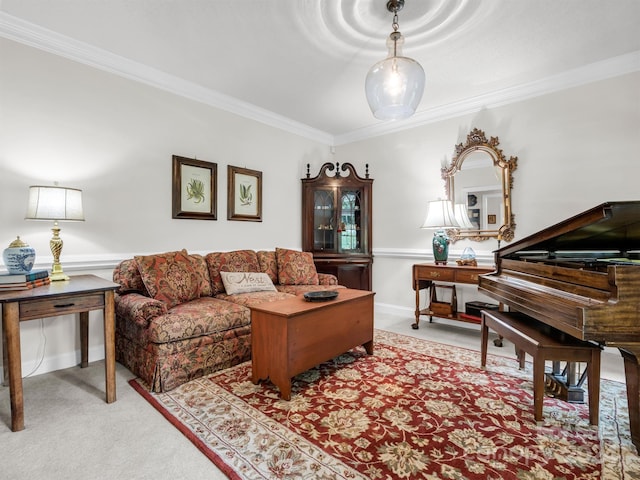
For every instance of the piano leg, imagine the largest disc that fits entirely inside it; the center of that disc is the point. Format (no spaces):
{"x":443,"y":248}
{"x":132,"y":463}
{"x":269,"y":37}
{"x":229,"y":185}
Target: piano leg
{"x":631,"y":355}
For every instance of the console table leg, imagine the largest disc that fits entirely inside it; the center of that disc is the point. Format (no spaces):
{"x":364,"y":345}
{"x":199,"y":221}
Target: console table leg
{"x":5,"y":359}
{"x":84,"y":339}
{"x":11,"y":327}
{"x":416,"y":287}
{"x":110,"y":346}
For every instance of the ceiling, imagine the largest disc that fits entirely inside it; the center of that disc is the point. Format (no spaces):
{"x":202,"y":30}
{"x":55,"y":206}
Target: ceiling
{"x":301,"y":64}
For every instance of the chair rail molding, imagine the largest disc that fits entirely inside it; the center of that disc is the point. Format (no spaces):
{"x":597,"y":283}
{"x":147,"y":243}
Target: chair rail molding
{"x":483,"y":257}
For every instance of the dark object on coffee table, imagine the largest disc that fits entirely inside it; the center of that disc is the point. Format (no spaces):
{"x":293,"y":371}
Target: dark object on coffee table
{"x":320,"y":296}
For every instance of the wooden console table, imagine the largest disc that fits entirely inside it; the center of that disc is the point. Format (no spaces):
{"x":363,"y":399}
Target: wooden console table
{"x":426,"y":275}
{"x":80,"y":294}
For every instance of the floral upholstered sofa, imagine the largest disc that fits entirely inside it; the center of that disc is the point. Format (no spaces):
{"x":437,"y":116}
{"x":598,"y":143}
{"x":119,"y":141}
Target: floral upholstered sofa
{"x":180,"y":316}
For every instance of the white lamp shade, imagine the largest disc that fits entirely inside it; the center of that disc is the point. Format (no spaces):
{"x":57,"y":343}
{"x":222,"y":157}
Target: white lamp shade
{"x":54,"y":203}
{"x":462,"y":217}
{"x":394,"y":86}
{"x":439,"y":215}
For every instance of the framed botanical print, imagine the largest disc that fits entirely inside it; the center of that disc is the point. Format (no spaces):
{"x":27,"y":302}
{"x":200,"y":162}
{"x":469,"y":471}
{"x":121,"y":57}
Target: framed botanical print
{"x":244,"y":194}
{"x":194,"y":188}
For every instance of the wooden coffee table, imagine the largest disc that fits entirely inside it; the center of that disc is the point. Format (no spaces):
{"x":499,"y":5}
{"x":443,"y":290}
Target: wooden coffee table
{"x":290,"y":336}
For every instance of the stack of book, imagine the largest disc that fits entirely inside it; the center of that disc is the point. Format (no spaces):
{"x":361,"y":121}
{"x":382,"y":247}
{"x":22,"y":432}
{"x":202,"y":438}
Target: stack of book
{"x":24,"y":281}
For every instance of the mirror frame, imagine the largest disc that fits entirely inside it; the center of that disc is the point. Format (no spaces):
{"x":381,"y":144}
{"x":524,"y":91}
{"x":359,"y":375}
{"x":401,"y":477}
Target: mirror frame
{"x":477,"y":141}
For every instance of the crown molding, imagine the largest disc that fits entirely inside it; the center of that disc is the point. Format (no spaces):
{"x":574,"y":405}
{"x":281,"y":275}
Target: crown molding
{"x":16,"y":29}
{"x":609,"y":68}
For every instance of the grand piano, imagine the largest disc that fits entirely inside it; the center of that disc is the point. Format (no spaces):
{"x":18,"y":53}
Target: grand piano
{"x":581,"y":276}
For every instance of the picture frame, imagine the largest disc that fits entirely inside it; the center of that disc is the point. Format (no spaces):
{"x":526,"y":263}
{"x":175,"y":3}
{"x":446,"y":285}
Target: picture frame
{"x":491,"y":219}
{"x":194,"y":184}
{"x":244,"y":194}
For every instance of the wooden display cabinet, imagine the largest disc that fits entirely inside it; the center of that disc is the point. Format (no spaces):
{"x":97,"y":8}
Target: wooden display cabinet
{"x":336,"y":223}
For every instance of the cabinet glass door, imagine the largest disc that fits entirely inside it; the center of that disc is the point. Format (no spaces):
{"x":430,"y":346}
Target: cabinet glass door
{"x":349,"y":228}
{"x":323,"y":220}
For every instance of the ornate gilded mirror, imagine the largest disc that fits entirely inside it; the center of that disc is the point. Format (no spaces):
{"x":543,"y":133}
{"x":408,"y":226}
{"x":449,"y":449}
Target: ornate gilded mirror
{"x":478,"y":183}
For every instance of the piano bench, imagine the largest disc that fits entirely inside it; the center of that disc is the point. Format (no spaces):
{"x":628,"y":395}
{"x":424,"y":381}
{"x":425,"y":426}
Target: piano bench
{"x":543,"y":343}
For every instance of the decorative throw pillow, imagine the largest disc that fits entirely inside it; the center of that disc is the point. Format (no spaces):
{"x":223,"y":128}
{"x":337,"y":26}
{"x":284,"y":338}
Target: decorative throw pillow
{"x":234,"y":261}
{"x":268,"y":264}
{"x":202,"y":272}
{"x":169,"y":277}
{"x":295,"y":267}
{"x":244,"y":282}
{"x":213,"y":264}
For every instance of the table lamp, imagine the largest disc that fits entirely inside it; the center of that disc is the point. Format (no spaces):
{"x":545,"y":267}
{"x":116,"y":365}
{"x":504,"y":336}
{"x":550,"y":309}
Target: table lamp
{"x":462,"y":217}
{"x":440,"y":216}
{"x":60,"y":204}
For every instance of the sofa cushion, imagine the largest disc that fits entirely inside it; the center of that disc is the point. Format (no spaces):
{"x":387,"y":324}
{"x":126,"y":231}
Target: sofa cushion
{"x":295,"y":267}
{"x":169,"y":277}
{"x":268,"y":264}
{"x":253,"y":298}
{"x":202,"y":316}
{"x":327,"y":279}
{"x":302,"y":289}
{"x":234,"y":261}
{"x":245,"y":282}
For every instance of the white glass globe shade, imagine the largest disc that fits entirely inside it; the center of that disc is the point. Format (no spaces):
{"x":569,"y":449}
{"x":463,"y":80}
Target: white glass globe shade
{"x":394,"y":86}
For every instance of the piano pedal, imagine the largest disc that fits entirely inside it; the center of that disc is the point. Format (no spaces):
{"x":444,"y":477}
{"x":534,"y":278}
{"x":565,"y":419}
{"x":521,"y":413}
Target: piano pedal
{"x":557,"y":387}
{"x":551,"y":388}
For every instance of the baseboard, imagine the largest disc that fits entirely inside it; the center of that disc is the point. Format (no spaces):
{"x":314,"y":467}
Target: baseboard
{"x":57,"y":362}
{"x":390,"y":309}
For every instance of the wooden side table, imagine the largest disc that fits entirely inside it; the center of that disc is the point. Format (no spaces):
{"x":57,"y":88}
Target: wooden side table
{"x":80,"y":294}
{"x":425,"y":275}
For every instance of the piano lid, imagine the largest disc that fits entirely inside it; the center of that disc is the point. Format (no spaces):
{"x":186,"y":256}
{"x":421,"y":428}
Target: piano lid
{"x":609,"y":226}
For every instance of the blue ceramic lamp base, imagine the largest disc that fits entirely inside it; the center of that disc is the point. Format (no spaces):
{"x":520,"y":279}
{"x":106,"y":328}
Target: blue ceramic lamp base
{"x":440,"y":247}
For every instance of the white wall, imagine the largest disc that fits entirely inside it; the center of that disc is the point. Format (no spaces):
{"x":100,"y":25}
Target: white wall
{"x":113,"y":138}
{"x":576,"y":149}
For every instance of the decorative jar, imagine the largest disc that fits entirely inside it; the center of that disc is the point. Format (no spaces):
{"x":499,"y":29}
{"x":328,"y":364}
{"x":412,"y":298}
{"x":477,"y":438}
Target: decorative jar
{"x":468,"y":254}
{"x":440,"y":247}
{"x":19,"y":257}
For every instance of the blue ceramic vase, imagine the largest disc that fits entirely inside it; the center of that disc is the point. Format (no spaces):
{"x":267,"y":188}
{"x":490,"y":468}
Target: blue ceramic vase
{"x":19,"y":257}
{"x":440,"y":247}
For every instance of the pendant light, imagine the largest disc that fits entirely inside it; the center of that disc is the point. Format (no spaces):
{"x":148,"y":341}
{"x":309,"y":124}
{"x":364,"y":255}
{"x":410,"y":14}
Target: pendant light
{"x":394,"y":86}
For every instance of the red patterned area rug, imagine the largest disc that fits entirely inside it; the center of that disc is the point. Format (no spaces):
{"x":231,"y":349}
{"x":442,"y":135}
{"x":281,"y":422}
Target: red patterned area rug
{"x":415,"y":409}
